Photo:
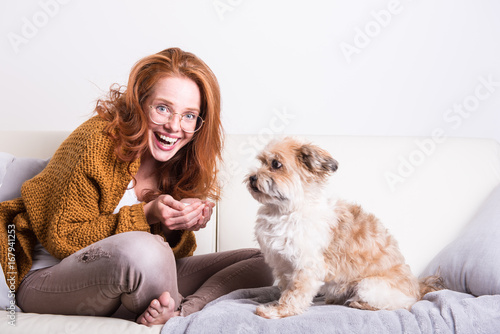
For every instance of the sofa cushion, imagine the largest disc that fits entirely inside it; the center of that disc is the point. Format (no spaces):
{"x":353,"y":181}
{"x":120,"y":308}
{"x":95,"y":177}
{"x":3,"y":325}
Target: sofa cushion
{"x":17,"y":323}
{"x":471,"y":262}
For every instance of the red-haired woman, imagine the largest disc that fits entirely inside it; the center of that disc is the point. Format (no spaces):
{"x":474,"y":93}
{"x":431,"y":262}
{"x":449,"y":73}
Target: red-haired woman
{"x":109,"y":223}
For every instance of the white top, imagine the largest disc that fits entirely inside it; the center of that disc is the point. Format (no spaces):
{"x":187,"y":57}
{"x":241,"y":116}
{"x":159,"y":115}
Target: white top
{"x":128,"y":199}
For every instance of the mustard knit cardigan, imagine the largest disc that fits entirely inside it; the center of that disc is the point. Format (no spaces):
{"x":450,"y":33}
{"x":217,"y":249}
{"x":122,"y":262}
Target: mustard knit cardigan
{"x":70,"y":204}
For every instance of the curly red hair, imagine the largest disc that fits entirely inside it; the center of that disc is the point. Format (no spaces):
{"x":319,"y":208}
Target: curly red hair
{"x":192,"y":171}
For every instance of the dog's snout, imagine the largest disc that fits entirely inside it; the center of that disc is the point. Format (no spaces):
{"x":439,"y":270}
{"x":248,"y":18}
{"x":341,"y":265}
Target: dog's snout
{"x":252,"y":180}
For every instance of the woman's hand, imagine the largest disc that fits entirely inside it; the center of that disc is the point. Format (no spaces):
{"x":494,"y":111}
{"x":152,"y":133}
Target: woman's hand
{"x":188,"y":214}
{"x":206,"y":214}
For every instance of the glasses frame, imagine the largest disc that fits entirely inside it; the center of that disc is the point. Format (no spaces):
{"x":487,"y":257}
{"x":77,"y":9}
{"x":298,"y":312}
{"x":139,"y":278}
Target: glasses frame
{"x":152,"y":109}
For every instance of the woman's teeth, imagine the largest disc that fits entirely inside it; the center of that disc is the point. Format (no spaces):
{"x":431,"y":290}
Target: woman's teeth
{"x":166,"y":140}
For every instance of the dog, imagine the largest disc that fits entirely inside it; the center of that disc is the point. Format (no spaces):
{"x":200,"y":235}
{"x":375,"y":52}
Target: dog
{"x":316,"y":244}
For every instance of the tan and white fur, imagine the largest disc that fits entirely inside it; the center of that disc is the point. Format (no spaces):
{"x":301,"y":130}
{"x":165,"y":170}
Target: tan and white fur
{"x":316,"y":244}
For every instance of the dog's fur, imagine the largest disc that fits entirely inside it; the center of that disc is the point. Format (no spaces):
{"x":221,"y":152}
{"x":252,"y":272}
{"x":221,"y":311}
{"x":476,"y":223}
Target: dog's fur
{"x":316,"y":244}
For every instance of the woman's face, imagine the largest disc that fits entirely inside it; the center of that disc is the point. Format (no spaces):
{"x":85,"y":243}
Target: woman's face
{"x":182,"y":96}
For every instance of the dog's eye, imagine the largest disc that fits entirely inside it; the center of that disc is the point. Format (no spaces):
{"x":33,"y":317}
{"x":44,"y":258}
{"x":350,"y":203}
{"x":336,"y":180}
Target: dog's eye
{"x":275,"y":164}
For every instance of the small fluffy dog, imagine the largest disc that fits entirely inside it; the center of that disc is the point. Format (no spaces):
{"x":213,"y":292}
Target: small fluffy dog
{"x":319,"y":245}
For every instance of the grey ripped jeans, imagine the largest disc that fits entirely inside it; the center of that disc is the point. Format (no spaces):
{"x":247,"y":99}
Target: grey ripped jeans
{"x":129,"y":270}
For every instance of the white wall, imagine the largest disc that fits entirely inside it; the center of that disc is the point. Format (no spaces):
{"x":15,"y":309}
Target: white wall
{"x":367,"y":67}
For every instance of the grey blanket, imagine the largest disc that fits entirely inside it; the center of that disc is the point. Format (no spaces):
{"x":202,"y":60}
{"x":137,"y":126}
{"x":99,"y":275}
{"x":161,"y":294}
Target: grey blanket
{"x":440,"y":312}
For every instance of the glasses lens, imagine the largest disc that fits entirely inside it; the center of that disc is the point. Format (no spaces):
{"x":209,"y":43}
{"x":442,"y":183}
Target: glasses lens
{"x":159,"y":114}
{"x":191,"y":123}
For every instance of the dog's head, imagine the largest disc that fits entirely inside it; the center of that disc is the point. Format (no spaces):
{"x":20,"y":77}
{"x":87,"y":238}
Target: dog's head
{"x":289,"y":170}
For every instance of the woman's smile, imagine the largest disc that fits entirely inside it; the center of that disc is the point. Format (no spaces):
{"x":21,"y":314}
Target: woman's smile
{"x":165,"y":142}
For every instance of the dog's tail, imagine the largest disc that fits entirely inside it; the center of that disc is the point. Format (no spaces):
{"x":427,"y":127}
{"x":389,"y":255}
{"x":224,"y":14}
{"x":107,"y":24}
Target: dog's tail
{"x":430,"y":284}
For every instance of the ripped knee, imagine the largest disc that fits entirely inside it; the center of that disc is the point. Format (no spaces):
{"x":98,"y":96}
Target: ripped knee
{"x":92,"y":254}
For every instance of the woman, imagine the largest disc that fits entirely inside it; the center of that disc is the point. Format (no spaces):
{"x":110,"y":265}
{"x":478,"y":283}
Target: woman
{"x":109,"y":222}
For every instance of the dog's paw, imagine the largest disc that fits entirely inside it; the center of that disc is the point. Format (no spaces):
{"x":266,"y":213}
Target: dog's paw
{"x":275,"y":311}
{"x":268,"y":311}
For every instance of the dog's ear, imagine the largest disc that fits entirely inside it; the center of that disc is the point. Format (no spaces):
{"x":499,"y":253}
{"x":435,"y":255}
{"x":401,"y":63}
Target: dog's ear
{"x":317,"y":160}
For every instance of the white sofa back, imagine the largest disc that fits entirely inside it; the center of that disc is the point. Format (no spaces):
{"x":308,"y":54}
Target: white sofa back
{"x":423,"y":189}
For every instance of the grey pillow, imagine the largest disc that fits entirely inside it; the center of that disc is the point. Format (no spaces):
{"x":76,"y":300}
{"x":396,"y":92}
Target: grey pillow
{"x":14,"y":171}
{"x":471,"y":263}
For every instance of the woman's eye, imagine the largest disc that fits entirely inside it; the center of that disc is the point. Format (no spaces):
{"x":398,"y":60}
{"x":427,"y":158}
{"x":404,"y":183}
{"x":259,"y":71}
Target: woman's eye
{"x":162,"y":109}
{"x":275,"y":164}
{"x":189,"y":117}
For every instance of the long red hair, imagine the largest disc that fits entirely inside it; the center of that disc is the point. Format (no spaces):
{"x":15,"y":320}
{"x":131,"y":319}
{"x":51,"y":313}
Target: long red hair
{"x":192,"y":171}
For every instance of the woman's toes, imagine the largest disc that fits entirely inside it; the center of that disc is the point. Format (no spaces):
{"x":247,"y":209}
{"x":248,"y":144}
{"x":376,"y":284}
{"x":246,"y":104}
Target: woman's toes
{"x":159,"y":311}
{"x":155,"y":308}
{"x":165,"y":301}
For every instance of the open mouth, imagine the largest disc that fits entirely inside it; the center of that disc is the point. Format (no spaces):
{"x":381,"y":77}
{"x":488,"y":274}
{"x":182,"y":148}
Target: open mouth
{"x":166,"y":141}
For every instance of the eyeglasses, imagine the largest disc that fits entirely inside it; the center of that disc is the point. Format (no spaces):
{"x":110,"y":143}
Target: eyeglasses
{"x":160,"y":114}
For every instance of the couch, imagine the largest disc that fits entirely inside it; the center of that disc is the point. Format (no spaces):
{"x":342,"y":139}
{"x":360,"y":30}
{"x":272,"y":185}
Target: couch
{"x":436,"y":195}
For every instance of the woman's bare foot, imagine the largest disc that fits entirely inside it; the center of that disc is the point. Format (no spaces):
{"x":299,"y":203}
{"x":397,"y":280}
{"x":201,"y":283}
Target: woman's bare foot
{"x":159,"y":311}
